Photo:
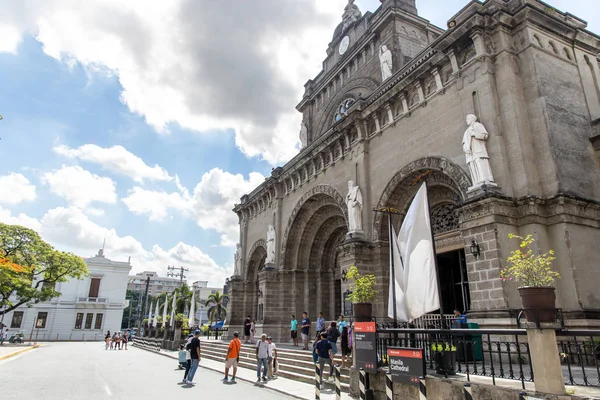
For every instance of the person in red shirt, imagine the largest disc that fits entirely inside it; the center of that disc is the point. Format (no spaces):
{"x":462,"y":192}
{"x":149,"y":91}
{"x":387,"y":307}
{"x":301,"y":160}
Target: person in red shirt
{"x":233,"y":357}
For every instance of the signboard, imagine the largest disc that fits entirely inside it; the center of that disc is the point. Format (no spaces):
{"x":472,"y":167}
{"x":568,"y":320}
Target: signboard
{"x":365,"y":347}
{"x":407,"y":365}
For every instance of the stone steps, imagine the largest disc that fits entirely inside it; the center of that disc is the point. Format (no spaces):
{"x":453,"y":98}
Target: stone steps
{"x":293,"y":364}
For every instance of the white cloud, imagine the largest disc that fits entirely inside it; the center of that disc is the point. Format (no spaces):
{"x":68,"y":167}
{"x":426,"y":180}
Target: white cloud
{"x":69,"y":229}
{"x":156,"y":204}
{"x":210,"y":205}
{"x":15,"y":188}
{"x":116,"y":159}
{"x":80,"y":187}
{"x":214,"y":198}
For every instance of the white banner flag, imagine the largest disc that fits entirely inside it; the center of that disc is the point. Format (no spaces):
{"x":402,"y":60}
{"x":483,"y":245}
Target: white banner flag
{"x":416,"y":282}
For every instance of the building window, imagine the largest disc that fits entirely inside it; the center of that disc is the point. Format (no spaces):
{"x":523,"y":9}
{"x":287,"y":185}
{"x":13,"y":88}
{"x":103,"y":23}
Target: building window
{"x":88,"y":321}
{"x":42,"y":317}
{"x":78,"y":320}
{"x":17,"y":319}
{"x":98,"y":324}
{"x":342,"y":110}
{"x":94,"y":287}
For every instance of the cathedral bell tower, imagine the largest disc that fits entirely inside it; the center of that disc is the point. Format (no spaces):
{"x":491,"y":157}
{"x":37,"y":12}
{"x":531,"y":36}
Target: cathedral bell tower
{"x":406,"y":5}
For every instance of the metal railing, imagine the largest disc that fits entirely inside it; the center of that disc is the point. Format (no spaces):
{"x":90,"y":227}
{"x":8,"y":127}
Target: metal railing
{"x":92,"y":300}
{"x":495,"y":353}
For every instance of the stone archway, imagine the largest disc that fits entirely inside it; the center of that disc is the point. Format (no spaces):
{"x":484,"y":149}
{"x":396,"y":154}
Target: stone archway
{"x":256,"y":262}
{"x":317,"y":225}
{"x":448,"y":184}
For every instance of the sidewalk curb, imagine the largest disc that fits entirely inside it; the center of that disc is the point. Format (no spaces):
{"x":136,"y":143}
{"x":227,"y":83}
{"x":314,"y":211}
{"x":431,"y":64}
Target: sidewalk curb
{"x":220,"y":371}
{"x":16,"y":353}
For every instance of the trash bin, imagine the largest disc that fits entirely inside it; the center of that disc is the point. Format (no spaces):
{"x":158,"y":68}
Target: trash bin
{"x":477,"y":341}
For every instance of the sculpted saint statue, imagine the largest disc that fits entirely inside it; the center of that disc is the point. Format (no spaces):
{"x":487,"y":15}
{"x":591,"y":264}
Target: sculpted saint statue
{"x":476,"y":151}
{"x":351,"y":14}
{"x":304,"y":135}
{"x":270,"y":245}
{"x":238,"y":261}
{"x":385,"y":60}
{"x":354,"y":201}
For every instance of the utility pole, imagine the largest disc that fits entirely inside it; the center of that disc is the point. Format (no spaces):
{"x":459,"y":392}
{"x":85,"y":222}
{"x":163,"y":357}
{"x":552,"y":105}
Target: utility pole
{"x":144,"y":300}
{"x":179,"y":274}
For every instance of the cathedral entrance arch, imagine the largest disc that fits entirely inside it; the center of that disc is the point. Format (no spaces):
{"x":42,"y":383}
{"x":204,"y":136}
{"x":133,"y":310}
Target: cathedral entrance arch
{"x":448,"y":185}
{"x":315,"y":229}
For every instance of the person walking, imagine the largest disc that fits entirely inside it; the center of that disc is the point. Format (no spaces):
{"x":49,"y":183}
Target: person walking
{"x":3,"y":335}
{"x":247,"y":327}
{"x":323,"y":349}
{"x":188,"y":357}
{"x":332,"y":335}
{"x":118,"y":341}
{"x":233,"y":357}
{"x":107,"y":341}
{"x":341,"y":323}
{"x":305,"y":329}
{"x":113,"y":342}
{"x":271,"y":357}
{"x":294,"y":330}
{"x":125,"y":339}
{"x":252,"y":330}
{"x":262,"y":353}
{"x":345,"y":342}
{"x":195,"y":355}
{"x":314,"y":353}
{"x":320,"y":324}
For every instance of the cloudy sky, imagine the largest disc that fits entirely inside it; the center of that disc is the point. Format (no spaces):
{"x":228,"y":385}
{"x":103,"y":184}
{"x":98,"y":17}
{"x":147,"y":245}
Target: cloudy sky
{"x":144,"y":121}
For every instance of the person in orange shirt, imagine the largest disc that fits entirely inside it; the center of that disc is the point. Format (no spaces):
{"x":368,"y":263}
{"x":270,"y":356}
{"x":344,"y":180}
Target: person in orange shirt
{"x":233,"y":357}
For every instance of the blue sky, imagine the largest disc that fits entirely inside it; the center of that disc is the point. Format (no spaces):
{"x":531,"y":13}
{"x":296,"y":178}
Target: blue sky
{"x":127,"y":129}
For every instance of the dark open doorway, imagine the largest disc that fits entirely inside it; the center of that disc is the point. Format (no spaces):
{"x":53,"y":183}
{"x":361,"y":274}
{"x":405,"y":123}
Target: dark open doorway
{"x":454,"y":283}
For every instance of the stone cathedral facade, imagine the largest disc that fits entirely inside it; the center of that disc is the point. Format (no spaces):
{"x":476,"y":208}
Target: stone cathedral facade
{"x":389,"y":106}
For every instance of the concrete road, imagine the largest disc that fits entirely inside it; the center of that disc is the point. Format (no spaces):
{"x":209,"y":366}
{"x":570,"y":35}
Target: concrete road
{"x":86,"y":371}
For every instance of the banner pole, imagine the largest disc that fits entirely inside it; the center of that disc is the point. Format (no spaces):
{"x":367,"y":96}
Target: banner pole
{"x":437,"y":269}
{"x":393,"y":269}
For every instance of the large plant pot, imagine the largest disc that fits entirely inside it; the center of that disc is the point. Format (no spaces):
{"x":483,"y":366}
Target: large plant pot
{"x":178,"y":324}
{"x":539,"y":302}
{"x":363,"y":311}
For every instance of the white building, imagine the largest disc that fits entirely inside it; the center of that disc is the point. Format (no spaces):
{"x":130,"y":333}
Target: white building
{"x":85,"y":310}
{"x":158,"y":284}
{"x":202,"y":291}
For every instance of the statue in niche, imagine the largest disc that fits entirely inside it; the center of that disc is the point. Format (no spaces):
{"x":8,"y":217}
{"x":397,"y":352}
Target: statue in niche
{"x":351,"y":15}
{"x":238,"y":261}
{"x":476,"y":153}
{"x":270,"y":245}
{"x":304,"y":135}
{"x":385,"y":61}
{"x":354,"y":201}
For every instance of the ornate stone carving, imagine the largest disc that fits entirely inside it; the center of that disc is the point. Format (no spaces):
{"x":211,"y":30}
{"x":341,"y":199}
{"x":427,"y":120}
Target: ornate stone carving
{"x":271,"y":245}
{"x":351,"y":15}
{"x":238,"y":261}
{"x":457,"y":177}
{"x":303,"y":135}
{"x":475,"y":149}
{"x":444,"y":218}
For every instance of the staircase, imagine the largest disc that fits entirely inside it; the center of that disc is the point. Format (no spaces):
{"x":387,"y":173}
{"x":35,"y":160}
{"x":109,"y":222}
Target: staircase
{"x":293,"y":364}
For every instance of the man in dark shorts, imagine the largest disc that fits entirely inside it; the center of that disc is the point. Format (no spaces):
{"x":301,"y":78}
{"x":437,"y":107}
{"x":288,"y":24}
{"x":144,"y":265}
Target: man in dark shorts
{"x":247,"y":327}
{"x":305,"y":328}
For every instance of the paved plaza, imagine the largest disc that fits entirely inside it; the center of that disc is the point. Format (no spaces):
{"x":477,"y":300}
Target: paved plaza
{"x":87,"y":371}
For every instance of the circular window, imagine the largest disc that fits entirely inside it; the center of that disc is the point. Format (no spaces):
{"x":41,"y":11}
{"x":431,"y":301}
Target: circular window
{"x":343,"y":109}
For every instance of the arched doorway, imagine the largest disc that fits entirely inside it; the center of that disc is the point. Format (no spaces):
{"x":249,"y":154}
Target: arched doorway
{"x":310,"y":277}
{"x":256,"y":263}
{"x":447,"y":184}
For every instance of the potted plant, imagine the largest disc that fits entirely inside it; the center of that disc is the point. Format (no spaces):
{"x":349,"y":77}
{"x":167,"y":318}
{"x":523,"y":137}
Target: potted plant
{"x":535,"y":279}
{"x":179,"y":319}
{"x":361,"y":292}
{"x":445,"y":357}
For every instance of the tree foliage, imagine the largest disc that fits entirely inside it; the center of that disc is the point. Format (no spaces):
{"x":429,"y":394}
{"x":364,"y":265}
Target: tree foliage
{"x":361,"y":287}
{"x":527,"y":268}
{"x":30,"y":268}
{"x":217,"y":310}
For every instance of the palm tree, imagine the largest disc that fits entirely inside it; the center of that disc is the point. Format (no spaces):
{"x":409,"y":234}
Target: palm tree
{"x":216,"y":311}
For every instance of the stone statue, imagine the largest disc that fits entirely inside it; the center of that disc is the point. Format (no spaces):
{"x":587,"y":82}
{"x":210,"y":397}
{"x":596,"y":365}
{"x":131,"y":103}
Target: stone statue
{"x":238,"y":261}
{"x":304,"y":135}
{"x":476,"y":152}
{"x":351,"y":14}
{"x":270,"y":245}
{"x":385,"y":60}
{"x":354,"y":202}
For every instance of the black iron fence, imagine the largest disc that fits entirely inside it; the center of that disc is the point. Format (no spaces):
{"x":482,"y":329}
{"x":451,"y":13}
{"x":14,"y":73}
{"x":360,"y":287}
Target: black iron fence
{"x":495,"y":353}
